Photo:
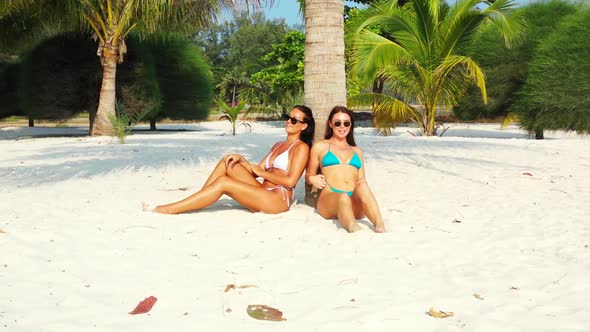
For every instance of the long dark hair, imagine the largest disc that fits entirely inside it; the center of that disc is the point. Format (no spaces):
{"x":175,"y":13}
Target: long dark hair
{"x":330,"y":131}
{"x":307,"y":134}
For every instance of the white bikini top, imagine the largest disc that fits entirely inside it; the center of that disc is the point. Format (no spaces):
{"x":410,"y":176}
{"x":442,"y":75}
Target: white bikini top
{"x":281,"y":161}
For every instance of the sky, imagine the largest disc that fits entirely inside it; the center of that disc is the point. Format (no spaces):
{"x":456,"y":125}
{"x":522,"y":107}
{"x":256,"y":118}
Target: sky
{"x":289,"y":10}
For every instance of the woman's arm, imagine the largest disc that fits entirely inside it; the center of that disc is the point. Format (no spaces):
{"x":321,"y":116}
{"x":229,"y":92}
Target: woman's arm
{"x":311,"y":173}
{"x":297,"y":161}
{"x":232,"y":159}
{"x":361,"y":178}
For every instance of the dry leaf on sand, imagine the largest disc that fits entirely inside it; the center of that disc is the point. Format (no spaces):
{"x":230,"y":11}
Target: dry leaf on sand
{"x":263,"y":312}
{"x":440,"y":314}
{"x":144,"y":306}
{"x":477,"y":296}
{"x":1,"y":231}
{"x":232,"y":286}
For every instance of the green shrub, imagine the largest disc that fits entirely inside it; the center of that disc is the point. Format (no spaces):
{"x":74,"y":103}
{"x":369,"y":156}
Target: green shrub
{"x":60,"y":78}
{"x":184,"y":78}
{"x":555,"y":95}
{"x":9,"y":82}
{"x":506,"y":69}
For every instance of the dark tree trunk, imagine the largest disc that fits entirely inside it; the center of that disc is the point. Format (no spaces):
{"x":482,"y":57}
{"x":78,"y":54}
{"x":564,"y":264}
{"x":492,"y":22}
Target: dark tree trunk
{"x":539,"y":133}
{"x":31,"y":122}
{"x":152,"y":124}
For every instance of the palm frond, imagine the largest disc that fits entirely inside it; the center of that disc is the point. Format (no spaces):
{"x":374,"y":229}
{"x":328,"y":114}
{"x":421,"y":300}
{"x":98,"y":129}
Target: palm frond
{"x":372,"y":52}
{"x":472,"y":71}
{"x":388,"y":111}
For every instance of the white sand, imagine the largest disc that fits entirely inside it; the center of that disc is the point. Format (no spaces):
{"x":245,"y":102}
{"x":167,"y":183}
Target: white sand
{"x":77,"y":253}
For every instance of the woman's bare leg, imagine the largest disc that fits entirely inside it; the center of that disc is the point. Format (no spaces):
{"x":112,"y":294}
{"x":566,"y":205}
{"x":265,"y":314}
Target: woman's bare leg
{"x":253,"y":197}
{"x":364,"y":203}
{"x":335,"y":205}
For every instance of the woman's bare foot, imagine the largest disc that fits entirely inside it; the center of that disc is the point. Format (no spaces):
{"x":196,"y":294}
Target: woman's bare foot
{"x":380,"y":227}
{"x":147,"y":207}
{"x":353,"y":227}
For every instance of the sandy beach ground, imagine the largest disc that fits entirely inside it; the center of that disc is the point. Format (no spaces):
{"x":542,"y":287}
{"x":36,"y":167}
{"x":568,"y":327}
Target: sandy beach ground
{"x":482,"y":222}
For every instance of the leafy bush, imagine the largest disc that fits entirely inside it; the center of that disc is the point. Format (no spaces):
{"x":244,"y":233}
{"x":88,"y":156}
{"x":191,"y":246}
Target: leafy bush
{"x":555,"y":94}
{"x":60,"y":78}
{"x":124,"y":120}
{"x":9,"y":77}
{"x":506,"y":69}
{"x":184,"y":78}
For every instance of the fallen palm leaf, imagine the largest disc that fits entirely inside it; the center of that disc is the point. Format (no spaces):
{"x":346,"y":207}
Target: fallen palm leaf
{"x":263,"y":312}
{"x":440,"y":314}
{"x":477,"y":296}
{"x":232,"y":286}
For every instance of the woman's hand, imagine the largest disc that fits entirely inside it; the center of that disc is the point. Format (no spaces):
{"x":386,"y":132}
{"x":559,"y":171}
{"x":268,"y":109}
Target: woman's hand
{"x":231,"y":159}
{"x":256,"y":169}
{"x":318,"y":181}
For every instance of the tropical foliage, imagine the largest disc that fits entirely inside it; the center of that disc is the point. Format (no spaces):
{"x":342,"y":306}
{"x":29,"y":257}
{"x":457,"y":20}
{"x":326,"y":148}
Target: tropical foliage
{"x":555,"y":94}
{"x":235,"y":50}
{"x":159,"y":79}
{"x":506,"y":69}
{"x":231,"y":113}
{"x":282,"y":77}
{"x":419,"y":51}
{"x":110,"y":22}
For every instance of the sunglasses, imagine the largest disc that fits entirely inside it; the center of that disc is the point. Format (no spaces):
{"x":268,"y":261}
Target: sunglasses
{"x":293,"y":120}
{"x":338,"y":123}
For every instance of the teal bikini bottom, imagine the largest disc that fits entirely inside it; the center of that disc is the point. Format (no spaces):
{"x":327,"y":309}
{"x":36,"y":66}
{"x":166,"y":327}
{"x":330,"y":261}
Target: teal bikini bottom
{"x":338,"y":191}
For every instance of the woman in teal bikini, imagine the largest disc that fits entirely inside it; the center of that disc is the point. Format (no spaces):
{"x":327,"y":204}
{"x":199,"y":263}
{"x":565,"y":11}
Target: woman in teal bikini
{"x":346,"y":194}
{"x":280,"y":170}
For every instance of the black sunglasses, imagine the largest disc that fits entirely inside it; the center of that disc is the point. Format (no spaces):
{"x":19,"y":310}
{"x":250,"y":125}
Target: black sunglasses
{"x":293,"y":120}
{"x":338,"y":123}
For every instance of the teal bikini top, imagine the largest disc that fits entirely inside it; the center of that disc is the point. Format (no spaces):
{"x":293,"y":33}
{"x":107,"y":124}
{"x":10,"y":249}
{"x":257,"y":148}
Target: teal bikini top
{"x":330,"y":159}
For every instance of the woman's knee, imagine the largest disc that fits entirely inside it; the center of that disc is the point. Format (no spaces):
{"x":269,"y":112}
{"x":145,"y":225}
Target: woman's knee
{"x":221,"y":182}
{"x":344,"y":200}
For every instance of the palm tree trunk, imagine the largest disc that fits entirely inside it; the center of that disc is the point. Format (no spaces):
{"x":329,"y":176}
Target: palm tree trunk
{"x":325,"y":78}
{"x":106,"y":104}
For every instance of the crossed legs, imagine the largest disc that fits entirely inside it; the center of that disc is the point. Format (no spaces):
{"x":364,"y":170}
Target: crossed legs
{"x":236,"y":182}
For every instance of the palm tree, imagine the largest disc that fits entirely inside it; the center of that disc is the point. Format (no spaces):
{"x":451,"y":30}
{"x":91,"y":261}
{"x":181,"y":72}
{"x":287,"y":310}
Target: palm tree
{"x":324,"y":74}
{"x":420,"y":49}
{"x":110,"y":21}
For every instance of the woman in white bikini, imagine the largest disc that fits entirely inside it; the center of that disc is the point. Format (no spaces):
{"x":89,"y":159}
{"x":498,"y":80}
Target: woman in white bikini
{"x":346,"y":194}
{"x":236,"y":177}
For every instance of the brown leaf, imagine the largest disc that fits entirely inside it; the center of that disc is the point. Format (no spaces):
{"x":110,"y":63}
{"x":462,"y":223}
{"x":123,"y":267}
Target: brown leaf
{"x":144,"y":306}
{"x":527,"y":173}
{"x":440,"y":314}
{"x":477,"y":296}
{"x":263,"y":312}
{"x":233,"y":286}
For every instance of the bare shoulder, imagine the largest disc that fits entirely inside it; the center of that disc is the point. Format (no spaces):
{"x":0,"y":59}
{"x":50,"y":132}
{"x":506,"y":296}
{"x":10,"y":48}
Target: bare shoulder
{"x":276,"y":145}
{"x":301,"y":146}
{"x":357,"y":150}
{"x":320,"y":145}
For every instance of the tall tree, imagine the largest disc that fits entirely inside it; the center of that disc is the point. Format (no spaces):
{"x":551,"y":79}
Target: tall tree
{"x":325,"y":78}
{"x":235,"y":49}
{"x":419,"y":53}
{"x":110,"y":21}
